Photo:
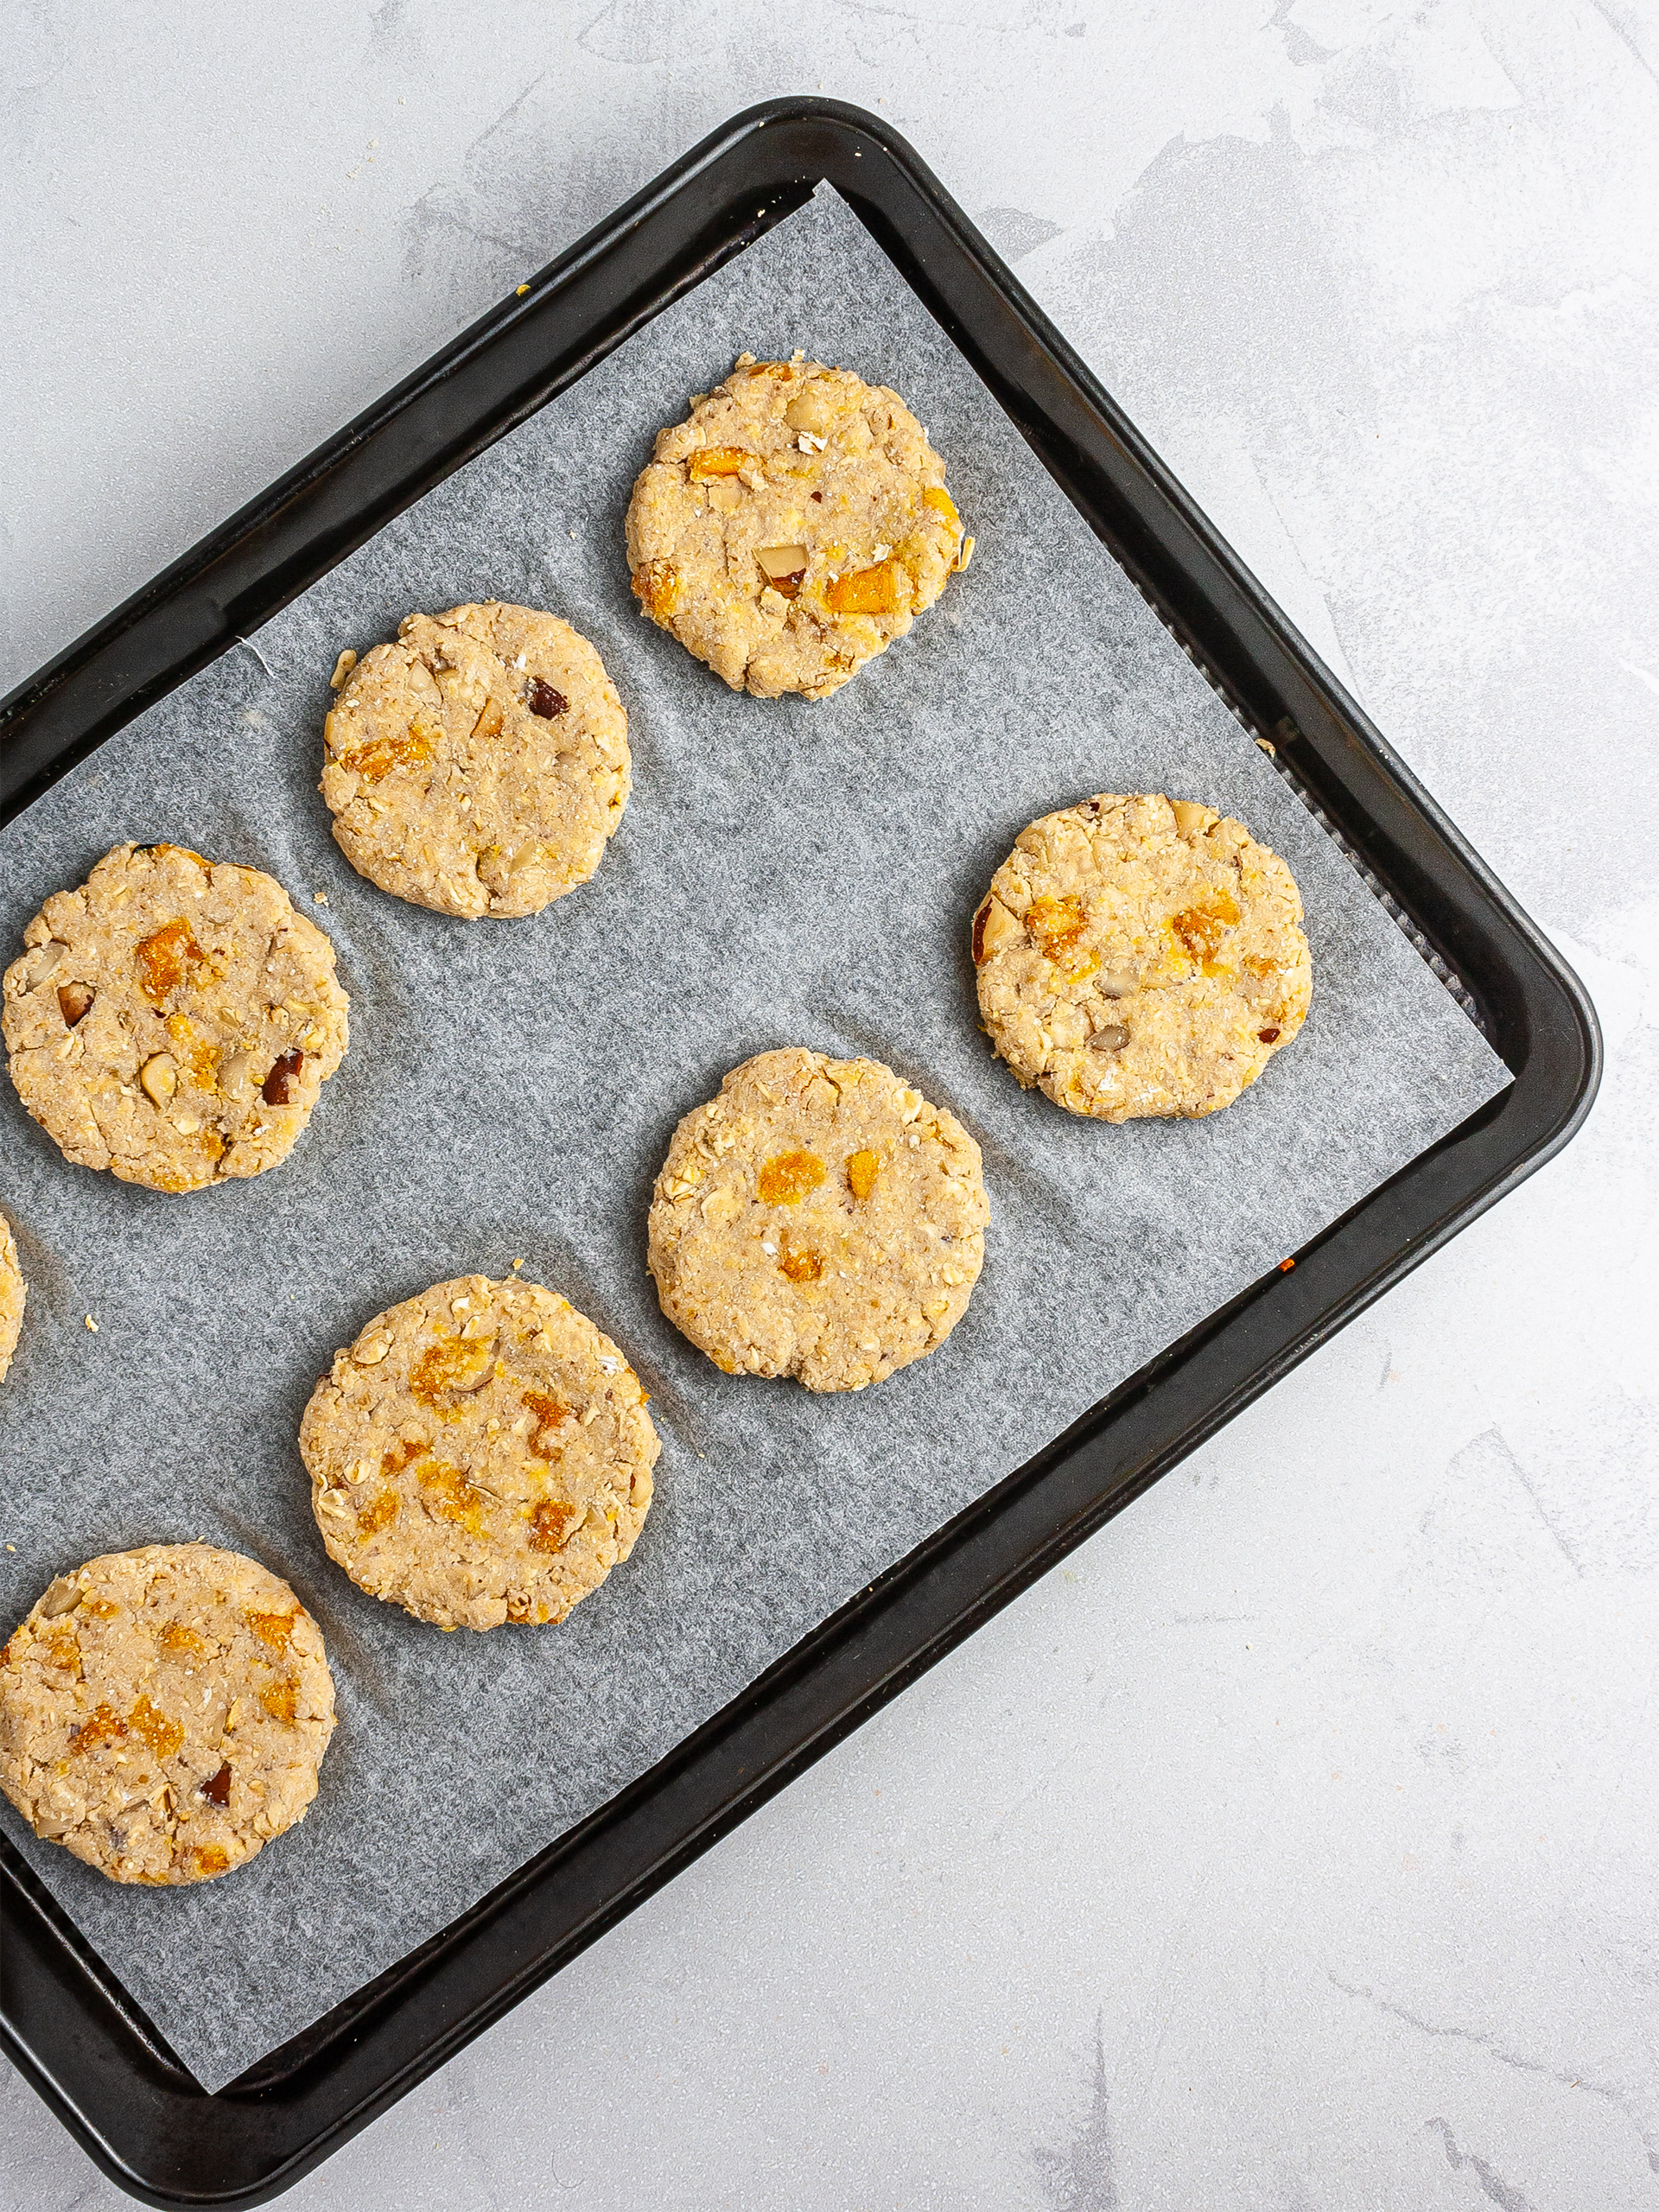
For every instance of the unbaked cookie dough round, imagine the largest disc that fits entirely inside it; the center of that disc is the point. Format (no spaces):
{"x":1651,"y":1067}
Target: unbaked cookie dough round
{"x":1141,"y":955}
{"x":818,"y":1218}
{"x":478,"y":764}
{"x":163,"y":1713}
{"x":12,"y":1296}
{"x":482,"y":1453}
{"x":174,"y":1020}
{"x":792,"y":527}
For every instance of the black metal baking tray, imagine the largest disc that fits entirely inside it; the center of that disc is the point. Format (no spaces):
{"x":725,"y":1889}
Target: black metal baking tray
{"x":64,"y":2020}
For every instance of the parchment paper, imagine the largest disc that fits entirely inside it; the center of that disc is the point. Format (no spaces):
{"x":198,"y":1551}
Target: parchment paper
{"x":786,"y":873}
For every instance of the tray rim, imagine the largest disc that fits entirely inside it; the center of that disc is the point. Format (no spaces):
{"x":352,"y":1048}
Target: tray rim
{"x":64,"y":2020}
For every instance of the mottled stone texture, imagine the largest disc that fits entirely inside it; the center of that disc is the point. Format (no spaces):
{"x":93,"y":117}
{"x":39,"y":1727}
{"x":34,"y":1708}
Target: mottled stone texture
{"x":1293,"y":1846}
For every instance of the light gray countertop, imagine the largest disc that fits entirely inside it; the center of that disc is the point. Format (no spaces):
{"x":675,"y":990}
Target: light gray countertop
{"x":1296,"y":1845}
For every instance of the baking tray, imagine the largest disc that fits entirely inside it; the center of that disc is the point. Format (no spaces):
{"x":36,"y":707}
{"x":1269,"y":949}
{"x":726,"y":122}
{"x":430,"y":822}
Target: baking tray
{"x":65,"y":2020}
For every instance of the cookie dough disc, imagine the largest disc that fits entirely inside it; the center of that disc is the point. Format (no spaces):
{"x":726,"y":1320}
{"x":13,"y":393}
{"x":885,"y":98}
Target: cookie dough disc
{"x":1141,"y":955}
{"x":12,"y":1294}
{"x":163,"y":1713}
{"x":173,"y":1019}
{"x":792,"y":527}
{"x":818,"y":1218}
{"x":482,"y":1453}
{"x":478,"y":765}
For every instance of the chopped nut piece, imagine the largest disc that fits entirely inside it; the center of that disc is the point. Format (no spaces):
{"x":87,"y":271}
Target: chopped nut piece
{"x":277,"y":1089}
{"x":343,"y":668}
{"x":1117,"y":982}
{"x":74,"y":1001}
{"x":784,"y":565}
{"x":1190,"y":817}
{"x":541,"y":699}
{"x":159,"y":1079}
{"x":994,"y":927}
{"x":811,"y":411}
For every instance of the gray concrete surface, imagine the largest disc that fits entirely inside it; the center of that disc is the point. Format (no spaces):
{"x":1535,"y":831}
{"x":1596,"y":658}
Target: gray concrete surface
{"x":1297,"y":1845}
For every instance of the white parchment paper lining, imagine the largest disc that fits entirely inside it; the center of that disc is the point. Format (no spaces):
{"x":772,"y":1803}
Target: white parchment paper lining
{"x":786,"y":873}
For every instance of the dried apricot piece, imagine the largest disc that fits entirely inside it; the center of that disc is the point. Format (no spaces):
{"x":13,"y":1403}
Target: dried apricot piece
{"x":717,"y":460}
{"x":278,"y":1700}
{"x":785,"y":1180}
{"x":862,"y":1168}
{"x":550,"y":1414}
{"x":380,"y":756}
{"x":1199,"y":927}
{"x":106,"y":1726}
{"x":452,"y":1498}
{"x":379,"y":1513}
{"x":882,"y":589}
{"x":163,"y":956}
{"x":801,"y":1265}
{"x":454,"y":1363}
{"x":200,"y":1057}
{"x":553,"y":1522}
{"x":1056,"y":925}
{"x":154,"y":1728}
{"x":273,"y":1629}
{"x":657,"y":587}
